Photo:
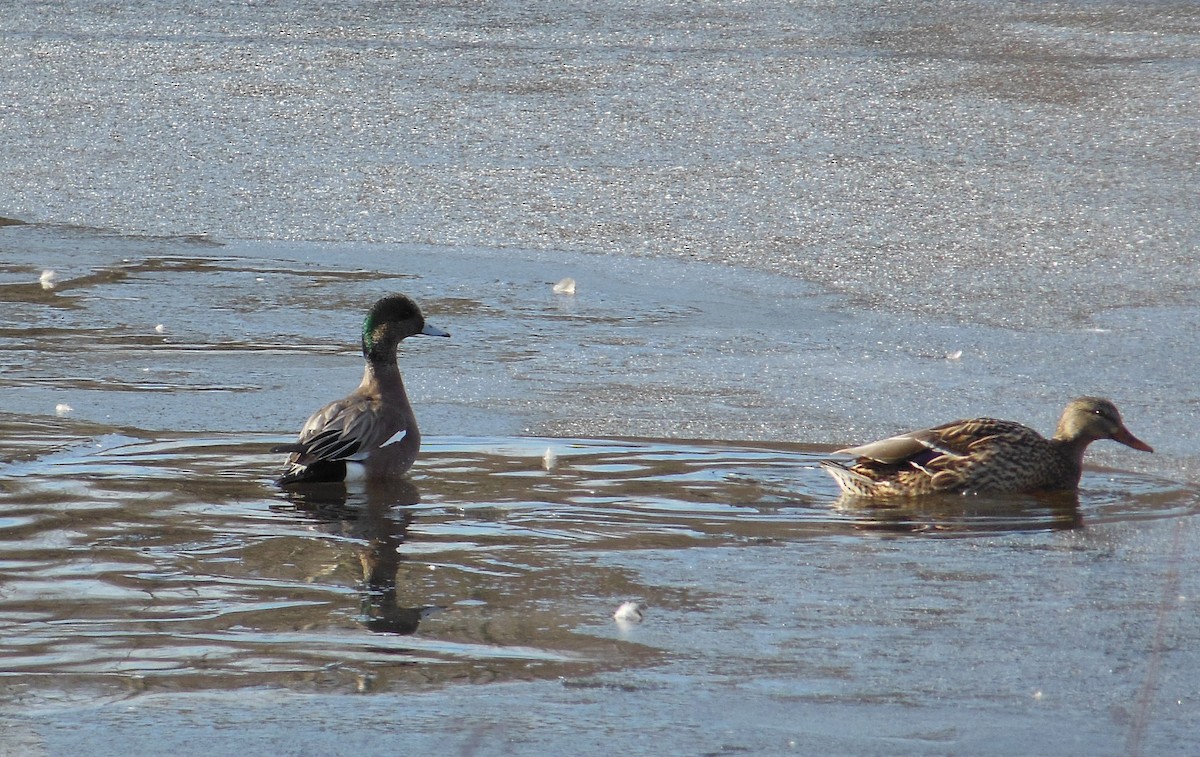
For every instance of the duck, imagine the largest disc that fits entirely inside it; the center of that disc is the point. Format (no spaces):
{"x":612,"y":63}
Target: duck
{"x":372,"y":433}
{"x":982,"y":455}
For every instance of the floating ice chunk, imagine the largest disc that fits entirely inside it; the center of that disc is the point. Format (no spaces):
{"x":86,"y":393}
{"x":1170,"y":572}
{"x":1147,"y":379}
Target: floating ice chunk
{"x":47,"y":279}
{"x":566,"y":286}
{"x":628,"y":614}
{"x":62,"y":409}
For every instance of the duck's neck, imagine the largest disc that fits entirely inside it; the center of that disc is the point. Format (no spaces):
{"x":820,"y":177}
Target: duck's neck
{"x":381,"y":352}
{"x":1070,"y":450}
{"x":382,"y":372}
{"x":381,"y":378}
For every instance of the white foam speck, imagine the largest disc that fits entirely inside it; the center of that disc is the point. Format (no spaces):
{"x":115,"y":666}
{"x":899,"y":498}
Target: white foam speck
{"x":629,"y":614}
{"x":47,"y":279}
{"x":62,"y":408}
{"x":566,"y":286}
{"x":549,"y":460}
{"x":160,"y":328}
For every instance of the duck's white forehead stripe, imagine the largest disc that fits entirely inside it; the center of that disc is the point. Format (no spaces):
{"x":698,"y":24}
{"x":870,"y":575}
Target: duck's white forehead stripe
{"x":398,"y":436}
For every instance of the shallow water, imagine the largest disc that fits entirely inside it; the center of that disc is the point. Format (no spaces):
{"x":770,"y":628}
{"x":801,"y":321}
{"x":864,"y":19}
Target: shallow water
{"x":174,"y":564}
{"x":149,"y":564}
{"x":138,"y":568}
{"x":793,"y":227}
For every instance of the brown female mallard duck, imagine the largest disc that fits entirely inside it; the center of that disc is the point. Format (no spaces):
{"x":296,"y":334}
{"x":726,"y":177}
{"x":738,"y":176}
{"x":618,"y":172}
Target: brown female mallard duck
{"x":982,"y":455}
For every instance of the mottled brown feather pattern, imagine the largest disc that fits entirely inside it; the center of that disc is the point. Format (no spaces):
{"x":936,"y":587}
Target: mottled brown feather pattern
{"x":984,"y":455}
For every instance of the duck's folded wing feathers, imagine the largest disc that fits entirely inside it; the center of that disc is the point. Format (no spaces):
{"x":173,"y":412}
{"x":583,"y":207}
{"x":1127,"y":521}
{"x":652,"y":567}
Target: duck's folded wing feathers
{"x":955,"y":439}
{"x":332,"y":444}
{"x":344,"y":430}
{"x":897,"y":449}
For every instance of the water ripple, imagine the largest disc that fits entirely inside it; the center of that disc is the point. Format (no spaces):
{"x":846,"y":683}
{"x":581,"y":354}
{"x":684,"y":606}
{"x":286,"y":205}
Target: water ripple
{"x":175,"y":562}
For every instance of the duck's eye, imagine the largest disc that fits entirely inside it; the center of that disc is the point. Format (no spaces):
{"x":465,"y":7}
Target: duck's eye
{"x":1105,"y":413}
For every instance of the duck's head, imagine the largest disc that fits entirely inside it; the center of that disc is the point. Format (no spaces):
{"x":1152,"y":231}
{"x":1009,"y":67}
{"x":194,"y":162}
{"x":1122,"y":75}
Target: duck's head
{"x":1088,"y":419}
{"x":391,"y":319}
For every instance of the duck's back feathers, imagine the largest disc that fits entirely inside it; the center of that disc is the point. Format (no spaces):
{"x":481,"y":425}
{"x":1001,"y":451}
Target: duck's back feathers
{"x":342,"y":428}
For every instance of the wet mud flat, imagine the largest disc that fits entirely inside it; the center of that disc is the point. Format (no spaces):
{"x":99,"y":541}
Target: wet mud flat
{"x":652,"y":438}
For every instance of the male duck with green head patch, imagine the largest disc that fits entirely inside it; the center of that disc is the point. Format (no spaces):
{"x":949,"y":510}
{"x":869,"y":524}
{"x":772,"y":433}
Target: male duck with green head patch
{"x":372,"y":433}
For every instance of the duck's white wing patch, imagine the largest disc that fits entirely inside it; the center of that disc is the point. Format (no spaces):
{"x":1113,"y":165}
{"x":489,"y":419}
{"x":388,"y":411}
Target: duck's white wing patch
{"x":396,"y":437}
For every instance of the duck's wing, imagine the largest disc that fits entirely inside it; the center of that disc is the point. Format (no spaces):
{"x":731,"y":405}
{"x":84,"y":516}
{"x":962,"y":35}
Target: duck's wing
{"x":955,"y":440}
{"x":894,"y":449}
{"x":898,"y":465}
{"x":973,"y":437}
{"x":344,"y":430}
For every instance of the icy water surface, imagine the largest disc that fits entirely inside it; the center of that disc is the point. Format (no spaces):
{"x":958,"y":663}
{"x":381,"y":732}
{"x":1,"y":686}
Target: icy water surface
{"x":793,"y":227}
{"x":1003,"y":162}
{"x":136,"y":568}
{"x":174,"y":564}
{"x":653,"y":437}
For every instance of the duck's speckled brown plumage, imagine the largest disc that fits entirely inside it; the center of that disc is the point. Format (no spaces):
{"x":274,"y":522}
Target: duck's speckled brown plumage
{"x":373,"y":428}
{"x":983,"y":455}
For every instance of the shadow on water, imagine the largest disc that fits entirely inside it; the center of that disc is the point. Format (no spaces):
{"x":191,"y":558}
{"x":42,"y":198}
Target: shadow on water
{"x":130,"y":565}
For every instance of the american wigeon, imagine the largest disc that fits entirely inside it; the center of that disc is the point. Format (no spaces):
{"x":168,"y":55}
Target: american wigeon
{"x":372,"y":433}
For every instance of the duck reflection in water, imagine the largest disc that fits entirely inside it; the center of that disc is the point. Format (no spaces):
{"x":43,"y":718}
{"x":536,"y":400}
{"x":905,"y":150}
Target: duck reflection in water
{"x":965,"y":514}
{"x":376,"y":516}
